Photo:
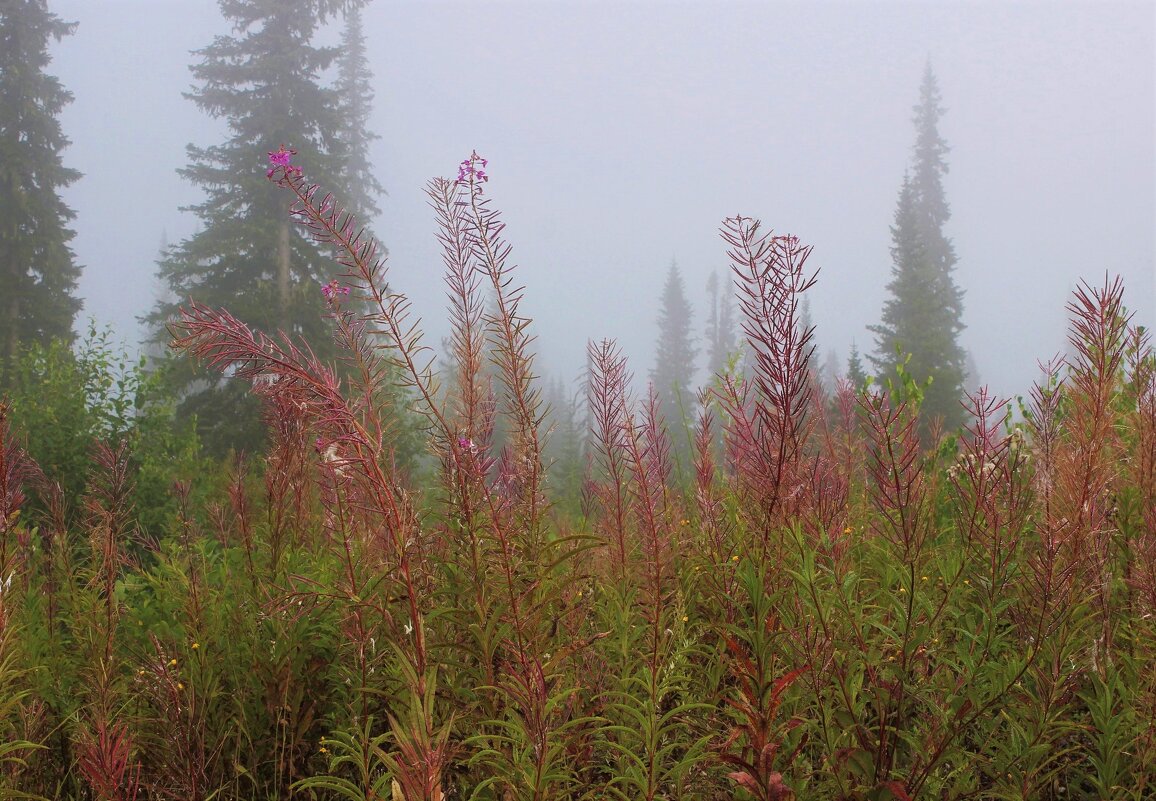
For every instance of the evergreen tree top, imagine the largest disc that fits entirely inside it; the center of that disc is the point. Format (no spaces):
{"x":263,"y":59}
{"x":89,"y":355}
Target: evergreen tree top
{"x":923,"y":314}
{"x":855,"y":372}
{"x":269,"y":80}
{"x":675,"y":346}
{"x":930,"y":152}
{"x":355,"y":95}
{"x":245,"y":13}
{"x":674,"y":362}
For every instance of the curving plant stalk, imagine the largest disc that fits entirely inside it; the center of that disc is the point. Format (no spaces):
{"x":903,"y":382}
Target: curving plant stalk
{"x":353,"y":435}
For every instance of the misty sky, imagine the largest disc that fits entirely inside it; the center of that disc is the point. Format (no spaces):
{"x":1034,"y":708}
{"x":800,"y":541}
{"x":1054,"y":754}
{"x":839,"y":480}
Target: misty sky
{"x":621,"y":133}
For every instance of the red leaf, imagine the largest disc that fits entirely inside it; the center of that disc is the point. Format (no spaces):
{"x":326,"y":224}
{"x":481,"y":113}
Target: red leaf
{"x":744,"y":779}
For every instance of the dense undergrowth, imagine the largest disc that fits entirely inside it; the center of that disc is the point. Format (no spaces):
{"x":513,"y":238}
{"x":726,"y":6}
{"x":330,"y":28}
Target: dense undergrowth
{"x":837,"y":604}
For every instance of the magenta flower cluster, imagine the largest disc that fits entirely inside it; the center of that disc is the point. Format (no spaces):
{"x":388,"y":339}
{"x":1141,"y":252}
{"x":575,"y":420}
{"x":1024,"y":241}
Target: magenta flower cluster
{"x":282,"y":160}
{"x":334,"y":290}
{"x":469,"y":171}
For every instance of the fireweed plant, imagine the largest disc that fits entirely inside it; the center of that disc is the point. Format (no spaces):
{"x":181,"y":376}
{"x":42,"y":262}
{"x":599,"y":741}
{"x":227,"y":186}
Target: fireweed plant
{"x":835,"y":606}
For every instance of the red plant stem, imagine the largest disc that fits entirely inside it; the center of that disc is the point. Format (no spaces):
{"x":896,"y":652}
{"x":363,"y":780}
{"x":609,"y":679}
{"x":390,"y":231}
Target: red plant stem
{"x":608,"y":406}
{"x":515,"y":362}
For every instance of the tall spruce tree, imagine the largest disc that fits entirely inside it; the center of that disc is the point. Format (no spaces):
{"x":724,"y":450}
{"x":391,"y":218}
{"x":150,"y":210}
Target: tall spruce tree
{"x":855,"y":372}
{"x":266,"y":80}
{"x":673,"y":373}
{"x":563,"y":433}
{"x":355,"y":94}
{"x":38,"y":272}
{"x":721,"y":336}
{"x":923,"y":316}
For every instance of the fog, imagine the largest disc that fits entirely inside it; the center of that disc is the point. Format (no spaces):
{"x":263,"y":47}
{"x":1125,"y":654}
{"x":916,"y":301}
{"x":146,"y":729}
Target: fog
{"x":620,"y":134}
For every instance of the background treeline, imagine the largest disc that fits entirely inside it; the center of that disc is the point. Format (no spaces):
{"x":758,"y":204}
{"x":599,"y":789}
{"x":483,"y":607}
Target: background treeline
{"x":274,"y":85}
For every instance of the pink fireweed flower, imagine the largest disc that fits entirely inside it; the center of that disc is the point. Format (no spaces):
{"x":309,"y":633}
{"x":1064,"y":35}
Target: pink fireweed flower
{"x":282,"y":161}
{"x":334,"y":290}
{"x":469,"y":170}
{"x":282,"y":157}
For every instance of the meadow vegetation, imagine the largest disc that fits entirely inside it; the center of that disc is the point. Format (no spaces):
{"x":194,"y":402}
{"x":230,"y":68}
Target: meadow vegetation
{"x":834,"y":603}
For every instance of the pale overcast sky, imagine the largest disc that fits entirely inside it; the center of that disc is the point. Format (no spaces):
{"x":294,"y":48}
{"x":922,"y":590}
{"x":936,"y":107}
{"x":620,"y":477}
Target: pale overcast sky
{"x":621,"y":133}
